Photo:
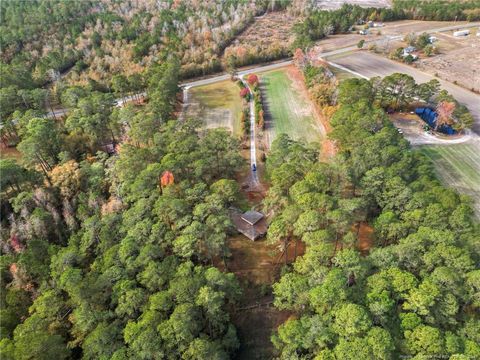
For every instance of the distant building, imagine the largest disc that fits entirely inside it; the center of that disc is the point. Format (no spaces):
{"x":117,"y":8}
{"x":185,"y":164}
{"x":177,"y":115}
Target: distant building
{"x":252,"y":224}
{"x":409,"y":49}
{"x":461,"y":33}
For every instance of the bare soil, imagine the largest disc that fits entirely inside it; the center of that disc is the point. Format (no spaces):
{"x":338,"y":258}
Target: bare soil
{"x":10,"y":153}
{"x":257,"y":265}
{"x":458,"y":61}
{"x":365,"y":238}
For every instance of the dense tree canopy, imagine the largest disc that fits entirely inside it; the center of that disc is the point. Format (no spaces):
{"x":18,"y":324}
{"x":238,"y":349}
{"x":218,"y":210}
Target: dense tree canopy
{"x":414,"y":294}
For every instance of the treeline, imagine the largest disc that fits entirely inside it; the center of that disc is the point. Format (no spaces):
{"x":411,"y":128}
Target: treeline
{"x":321,"y":23}
{"x":439,"y":10}
{"x":110,"y":256}
{"x":243,"y":55}
{"x":416,"y":292}
{"x":46,"y":42}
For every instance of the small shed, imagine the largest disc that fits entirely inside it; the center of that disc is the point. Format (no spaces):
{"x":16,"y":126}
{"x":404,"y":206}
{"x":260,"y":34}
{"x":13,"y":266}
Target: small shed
{"x":252,"y":224}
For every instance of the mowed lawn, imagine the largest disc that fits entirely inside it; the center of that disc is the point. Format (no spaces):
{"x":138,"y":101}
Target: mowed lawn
{"x":291,"y":111}
{"x":458,"y":166}
{"x":218,"y":105}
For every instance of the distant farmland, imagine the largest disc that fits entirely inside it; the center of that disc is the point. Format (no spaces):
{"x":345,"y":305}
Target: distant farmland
{"x":458,"y":166}
{"x":288,"y":108}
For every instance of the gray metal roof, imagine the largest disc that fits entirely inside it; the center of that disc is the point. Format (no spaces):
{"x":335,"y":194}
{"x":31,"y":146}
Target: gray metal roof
{"x":252,"y":217}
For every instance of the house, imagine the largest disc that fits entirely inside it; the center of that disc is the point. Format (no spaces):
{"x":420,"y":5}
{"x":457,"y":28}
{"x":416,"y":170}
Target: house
{"x":408,"y":51}
{"x":252,"y":224}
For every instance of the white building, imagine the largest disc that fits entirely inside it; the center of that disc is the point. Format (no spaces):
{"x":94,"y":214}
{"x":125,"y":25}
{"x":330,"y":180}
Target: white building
{"x":461,"y":33}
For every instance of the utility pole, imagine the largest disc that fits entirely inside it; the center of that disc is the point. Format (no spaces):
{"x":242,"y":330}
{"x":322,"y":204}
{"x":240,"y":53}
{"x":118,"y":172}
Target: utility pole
{"x":474,"y":79}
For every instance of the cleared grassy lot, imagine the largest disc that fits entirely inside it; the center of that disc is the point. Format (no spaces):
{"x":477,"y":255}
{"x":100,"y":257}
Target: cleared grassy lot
{"x":458,"y":166}
{"x":288,"y":107}
{"x":218,"y":105}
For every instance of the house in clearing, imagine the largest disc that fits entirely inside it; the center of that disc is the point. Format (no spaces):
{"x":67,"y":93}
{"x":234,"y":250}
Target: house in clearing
{"x":252,"y":224}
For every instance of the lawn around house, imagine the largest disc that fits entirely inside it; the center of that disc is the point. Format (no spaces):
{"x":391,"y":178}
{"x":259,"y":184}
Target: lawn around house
{"x":290,"y":110}
{"x":218,"y":105}
{"x":458,"y":166}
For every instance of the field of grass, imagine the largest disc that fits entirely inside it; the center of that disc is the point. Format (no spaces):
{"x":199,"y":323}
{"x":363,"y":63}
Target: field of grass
{"x":218,"y":105}
{"x":458,"y":166}
{"x":288,"y":108}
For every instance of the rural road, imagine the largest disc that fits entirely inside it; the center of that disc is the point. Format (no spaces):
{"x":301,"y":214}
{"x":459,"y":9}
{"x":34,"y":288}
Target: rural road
{"x":370,"y":65}
{"x":277,"y":65}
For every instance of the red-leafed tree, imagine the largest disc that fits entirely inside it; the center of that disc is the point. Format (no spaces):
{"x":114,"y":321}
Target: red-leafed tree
{"x":252,"y":79}
{"x":299,"y":58}
{"x":16,"y":244}
{"x":244,"y":92}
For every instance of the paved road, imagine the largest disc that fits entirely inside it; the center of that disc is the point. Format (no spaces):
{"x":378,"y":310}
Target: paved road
{"x":369,"y":65}
{"x":277,"y":65}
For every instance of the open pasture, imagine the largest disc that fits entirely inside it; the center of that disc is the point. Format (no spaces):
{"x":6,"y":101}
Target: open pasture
{"x":288,"y":109}
{"x":218,"y":105}
{"x":458,"y":166}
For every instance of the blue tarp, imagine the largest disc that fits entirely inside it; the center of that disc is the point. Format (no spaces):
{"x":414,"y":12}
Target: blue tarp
{"x":430,"y":117}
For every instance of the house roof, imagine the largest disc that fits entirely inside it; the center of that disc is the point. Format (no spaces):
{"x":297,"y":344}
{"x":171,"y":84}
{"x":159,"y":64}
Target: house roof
{"x":252,"y":217}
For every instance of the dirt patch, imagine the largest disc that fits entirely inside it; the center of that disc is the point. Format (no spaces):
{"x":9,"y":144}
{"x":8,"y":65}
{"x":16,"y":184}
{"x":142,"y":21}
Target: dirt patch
{"x":257,"y":265}
{"x":10,"y":153}
{"x":255,"y":328}
{"x":459,"y":64}
{"x":365,"y":238}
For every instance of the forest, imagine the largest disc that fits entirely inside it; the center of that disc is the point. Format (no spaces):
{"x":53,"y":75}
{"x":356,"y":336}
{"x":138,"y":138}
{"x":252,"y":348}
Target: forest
{"x":99,"y":250}
{"x":321,"y":23}
{"x":416,"y":292}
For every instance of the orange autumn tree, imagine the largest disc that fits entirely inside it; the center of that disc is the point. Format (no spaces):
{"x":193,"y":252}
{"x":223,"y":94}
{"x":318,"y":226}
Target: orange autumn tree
{"x":166,"y":179}
{"x":445,"y":111}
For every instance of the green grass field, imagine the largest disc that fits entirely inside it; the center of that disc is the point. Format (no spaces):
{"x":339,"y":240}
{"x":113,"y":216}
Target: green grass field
{"x":291,"y":111}
{"x":218,"y":105}
{"x":458,"y":166}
